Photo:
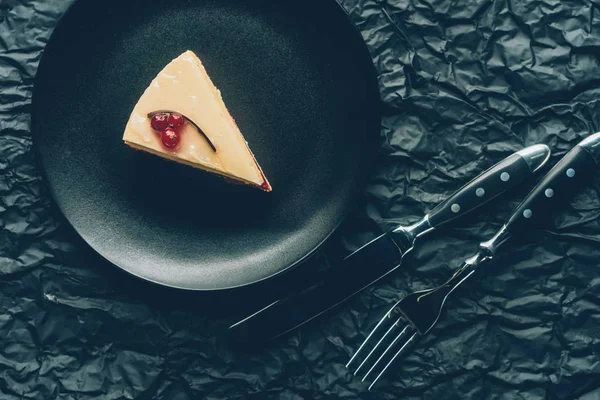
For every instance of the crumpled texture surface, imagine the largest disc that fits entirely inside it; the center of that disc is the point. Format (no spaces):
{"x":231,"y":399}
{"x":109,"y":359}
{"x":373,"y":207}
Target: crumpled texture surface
{"x":464,"y":84}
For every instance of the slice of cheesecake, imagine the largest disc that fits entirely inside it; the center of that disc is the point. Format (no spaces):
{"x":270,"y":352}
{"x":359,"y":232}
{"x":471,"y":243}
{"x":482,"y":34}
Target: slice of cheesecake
{"x":182,"y":117}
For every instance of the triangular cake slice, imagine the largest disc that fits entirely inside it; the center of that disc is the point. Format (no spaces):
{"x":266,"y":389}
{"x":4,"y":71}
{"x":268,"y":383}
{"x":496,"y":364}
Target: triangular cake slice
{"x":182,"y":117}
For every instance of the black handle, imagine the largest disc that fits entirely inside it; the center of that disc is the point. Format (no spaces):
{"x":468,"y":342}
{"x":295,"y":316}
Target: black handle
{"x":575,"y":169}
{"x":503,"y":176}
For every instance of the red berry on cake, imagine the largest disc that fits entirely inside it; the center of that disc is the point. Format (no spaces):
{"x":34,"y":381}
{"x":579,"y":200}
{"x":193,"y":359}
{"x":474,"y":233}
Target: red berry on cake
{"x":160,"y":122}
{"x":175,"y":120}
{"x":170,"y":139}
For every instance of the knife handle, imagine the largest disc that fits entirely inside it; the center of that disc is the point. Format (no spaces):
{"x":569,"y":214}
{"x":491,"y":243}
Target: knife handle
{"x":575,"y":169}
{"x":503,"y":176}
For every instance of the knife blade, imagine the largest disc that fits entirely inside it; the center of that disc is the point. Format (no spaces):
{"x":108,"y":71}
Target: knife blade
{"x":383,"y":255}
{"x":379,"y":255}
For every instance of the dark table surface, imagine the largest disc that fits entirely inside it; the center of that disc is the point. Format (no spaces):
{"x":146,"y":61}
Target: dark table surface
{"x":463,"y":84}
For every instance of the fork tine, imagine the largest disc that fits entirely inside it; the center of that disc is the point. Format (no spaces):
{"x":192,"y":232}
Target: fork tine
{"x":378,"y":343}
{"x":396,"y":340}
{"x":404,"y":346}
{"x":381,"y":321}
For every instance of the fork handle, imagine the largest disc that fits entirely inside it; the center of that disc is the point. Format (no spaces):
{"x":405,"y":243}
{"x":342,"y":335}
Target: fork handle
{"x":501,"y":177}
{"x":575,"y":169}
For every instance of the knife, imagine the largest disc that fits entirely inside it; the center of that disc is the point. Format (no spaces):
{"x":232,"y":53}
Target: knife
{"x":384,"y":254}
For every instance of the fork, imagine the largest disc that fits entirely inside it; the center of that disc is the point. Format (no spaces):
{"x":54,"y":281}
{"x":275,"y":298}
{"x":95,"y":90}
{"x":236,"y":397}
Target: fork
{"x":417,"y":313}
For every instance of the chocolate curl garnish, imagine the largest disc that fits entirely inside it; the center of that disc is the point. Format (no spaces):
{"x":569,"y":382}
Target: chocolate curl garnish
{"x":153,"y":113}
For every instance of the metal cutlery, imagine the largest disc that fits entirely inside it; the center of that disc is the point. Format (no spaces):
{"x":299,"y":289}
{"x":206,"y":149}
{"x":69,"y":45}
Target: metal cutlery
{"x":416,"y":314}
{"x":384,"y":254}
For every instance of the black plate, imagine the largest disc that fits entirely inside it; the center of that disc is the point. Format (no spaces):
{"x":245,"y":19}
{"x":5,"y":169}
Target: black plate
{"x":295,"y":75}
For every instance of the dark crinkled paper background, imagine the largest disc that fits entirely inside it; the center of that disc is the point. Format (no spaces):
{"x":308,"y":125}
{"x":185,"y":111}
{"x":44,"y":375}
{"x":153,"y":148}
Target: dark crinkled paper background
{"x":464,"y":84}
